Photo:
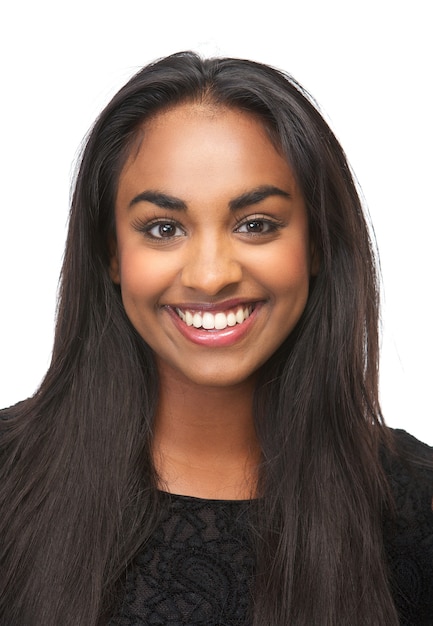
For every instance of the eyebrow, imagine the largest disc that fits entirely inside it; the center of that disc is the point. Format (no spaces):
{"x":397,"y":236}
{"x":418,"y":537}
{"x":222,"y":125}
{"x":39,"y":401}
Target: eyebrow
{"x":255,"y":196}
{"x":162,"y":200}
{"x":249,"y":198}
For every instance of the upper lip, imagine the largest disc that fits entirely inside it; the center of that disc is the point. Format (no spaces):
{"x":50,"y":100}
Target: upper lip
{"x":215,"y":306}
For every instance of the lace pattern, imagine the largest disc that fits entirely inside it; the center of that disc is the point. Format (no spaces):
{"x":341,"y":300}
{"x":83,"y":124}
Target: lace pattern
{"x":196,"y":569}
{"x":198,"y":566}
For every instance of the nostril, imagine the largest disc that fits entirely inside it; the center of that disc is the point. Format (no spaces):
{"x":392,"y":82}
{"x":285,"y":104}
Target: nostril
{"x":211,"y":276}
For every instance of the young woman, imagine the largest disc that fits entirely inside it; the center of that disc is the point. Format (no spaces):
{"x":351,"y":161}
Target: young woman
{"x":207,"y":446}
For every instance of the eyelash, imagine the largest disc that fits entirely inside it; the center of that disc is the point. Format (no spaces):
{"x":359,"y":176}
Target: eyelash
{"x":148,"y":226}
{"x":271,"y":226}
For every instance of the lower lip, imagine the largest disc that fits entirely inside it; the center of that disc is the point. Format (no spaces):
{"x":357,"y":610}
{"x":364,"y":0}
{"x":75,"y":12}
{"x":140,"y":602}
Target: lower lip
{"x":214,"y":338}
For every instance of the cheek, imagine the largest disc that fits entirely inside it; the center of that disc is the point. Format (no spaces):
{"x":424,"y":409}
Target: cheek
{"x":286,"y":270}
{"x":142,"y":276}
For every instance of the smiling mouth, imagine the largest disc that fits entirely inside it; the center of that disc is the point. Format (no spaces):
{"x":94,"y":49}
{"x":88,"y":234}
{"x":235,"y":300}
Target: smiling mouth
{"x":215,"y":321}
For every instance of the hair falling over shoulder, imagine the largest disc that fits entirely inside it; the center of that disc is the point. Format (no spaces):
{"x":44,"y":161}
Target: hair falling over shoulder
{"x":78,"y":494}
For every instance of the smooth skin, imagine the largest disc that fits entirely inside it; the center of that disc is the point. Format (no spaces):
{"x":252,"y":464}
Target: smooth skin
{"x":209,"y":217}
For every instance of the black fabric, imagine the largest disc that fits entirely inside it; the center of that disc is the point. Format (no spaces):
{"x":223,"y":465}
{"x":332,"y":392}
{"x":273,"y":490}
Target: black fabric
{"x":409,"y":535}
{"x":198,"y":567}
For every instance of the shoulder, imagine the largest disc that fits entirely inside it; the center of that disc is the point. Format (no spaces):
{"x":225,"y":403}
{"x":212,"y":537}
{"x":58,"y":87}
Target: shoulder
{"x":409,"y":444}
{"x":14,"y":422}
{"x":11,"y":411}
{"x":409,"y":468}
{"x":410,"y":473}
{"x":408,"y":530}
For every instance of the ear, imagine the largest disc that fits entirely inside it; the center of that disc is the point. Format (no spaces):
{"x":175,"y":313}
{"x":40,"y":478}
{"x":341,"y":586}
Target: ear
{"x":114,"y":267}
{"x":314,"y":259}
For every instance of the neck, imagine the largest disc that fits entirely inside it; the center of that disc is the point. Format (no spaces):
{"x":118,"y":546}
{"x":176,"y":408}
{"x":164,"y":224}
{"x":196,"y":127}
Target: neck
{"x":205,"y":443}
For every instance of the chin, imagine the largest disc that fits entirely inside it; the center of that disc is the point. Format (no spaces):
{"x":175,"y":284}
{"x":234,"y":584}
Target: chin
{"x":217,"y":377}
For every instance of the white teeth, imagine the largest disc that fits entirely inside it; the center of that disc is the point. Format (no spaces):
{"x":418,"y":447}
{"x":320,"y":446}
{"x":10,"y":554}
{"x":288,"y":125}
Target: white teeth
{"x":217,"y":321}
{"x":221,"y":321}
{"x":181,"y":314}
{"x":208,"y":321}
{"x":240,"y":316}
{"x":196,"y":320}
{"x":231,"y":319}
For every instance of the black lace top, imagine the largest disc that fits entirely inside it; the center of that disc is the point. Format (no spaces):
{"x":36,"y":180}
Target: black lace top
{"x":198,"y":567}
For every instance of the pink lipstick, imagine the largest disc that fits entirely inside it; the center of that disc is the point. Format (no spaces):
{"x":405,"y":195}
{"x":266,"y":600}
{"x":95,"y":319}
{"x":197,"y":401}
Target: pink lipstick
{"x":214,"y":325}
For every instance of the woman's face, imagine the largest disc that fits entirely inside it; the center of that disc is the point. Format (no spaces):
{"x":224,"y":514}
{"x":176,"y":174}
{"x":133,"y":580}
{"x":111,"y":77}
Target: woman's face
{"x":212,"y":250}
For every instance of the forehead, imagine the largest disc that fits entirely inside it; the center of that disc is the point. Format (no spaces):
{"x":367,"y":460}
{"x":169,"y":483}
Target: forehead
{"x":196,"y":147}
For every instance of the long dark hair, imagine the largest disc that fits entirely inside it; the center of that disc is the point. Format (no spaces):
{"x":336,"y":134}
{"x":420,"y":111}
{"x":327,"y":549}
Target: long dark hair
{"x":78,"y":490}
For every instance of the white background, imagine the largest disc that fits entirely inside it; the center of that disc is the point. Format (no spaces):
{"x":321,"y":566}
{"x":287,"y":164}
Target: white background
{"x":369,"y":65}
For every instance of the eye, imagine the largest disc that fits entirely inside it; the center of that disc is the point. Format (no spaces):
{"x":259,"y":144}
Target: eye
{"x":257,"y":226}
{"x":162,"y":229}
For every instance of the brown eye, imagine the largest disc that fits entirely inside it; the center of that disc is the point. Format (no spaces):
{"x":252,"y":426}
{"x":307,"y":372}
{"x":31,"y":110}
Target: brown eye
{"x":257,"y":227}
{"x":164,"y":230}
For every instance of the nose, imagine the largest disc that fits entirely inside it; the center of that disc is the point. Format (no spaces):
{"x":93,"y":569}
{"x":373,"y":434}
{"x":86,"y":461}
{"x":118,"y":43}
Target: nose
{"x":211,"y":265}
